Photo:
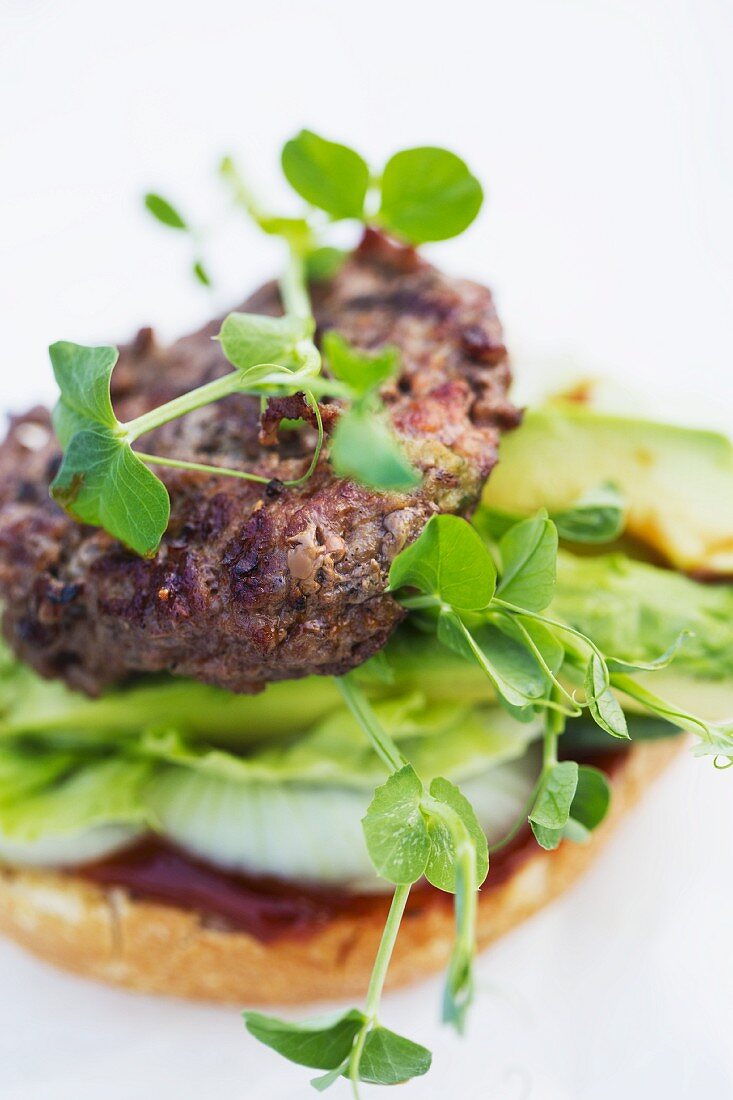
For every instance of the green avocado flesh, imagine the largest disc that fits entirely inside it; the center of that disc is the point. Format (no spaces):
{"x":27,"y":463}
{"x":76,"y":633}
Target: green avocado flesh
{"x":677,"y":482}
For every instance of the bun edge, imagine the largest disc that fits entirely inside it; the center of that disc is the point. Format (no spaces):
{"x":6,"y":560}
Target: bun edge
{"x":104,"y":933}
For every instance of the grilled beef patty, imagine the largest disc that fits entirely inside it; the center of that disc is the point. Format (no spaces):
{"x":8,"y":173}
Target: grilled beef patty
{"x":255,"y":583}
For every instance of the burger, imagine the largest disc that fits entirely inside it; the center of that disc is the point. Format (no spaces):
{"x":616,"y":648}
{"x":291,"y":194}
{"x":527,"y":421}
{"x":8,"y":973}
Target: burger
{"x":324,"y":664}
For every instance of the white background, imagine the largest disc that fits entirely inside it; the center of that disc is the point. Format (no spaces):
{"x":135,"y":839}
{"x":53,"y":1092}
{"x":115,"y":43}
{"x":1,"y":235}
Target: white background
{"x":602,"y":131}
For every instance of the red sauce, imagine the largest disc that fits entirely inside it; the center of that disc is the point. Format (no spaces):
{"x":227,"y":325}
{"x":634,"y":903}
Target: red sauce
{"x":268,"y":908}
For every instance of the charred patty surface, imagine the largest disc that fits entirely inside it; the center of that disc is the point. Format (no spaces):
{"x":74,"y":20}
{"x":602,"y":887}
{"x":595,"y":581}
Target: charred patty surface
{"x":255,"y":583}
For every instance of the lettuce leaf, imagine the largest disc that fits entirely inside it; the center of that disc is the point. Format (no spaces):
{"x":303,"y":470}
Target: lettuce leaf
{"x":59,"y":808}
{"x":446,"y":739}
{"x":293,"y":810}
{"x":51,"y":793}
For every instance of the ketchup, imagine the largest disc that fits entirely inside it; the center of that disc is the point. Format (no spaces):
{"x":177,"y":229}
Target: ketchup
{"x":266,"y":908}
{"x":269,"y":908}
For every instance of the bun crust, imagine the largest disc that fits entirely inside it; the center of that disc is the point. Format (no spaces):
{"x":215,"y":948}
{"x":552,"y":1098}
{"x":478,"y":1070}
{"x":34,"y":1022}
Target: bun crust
{"x":103,"y":933}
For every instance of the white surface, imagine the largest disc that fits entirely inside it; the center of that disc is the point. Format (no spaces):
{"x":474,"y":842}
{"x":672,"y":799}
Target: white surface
{"x":602,"y":132}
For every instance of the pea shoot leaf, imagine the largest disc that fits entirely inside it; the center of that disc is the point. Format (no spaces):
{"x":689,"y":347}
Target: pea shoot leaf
{"x":458,"y":990}
{"x":717,"y":742}
{"x":321,"y":1084}
{"x":459,"y":863}
{"x":602,"y":703}
{"x":322,"y":1043}
{"x":588,"y":809}
{"x":551,"y":809}
{"x":459,"y":985}
{"x":597,"y":516}
{"x":516,"y":675}
{"x":547,"y":838}
{"x":201,"y":273}
{"x":428,"y":194}
{"x":327,"y":1042}
{"x":390,"y":1059}
{"x":360,"y":371}
{"x":251,"y":339}
{"x":448,"y":561}
{"x":441,"y":867}
{"x":666,"y":658}
{"x":164,"y":212}
{"x":529,"y":553}
{"x":590,"y":803}
{"x":717,"y":737}
{"x":395,"y":829}
{"x":295,"y":230}
{"x":83,"y":377}
{"x":364,"y":448}
{"x":323,"y":263}
{"x":101,"y":481}
{"x":326,"y":174}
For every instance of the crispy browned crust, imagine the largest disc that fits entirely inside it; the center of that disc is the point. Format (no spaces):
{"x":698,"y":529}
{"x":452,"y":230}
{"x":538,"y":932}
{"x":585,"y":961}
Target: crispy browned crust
{"x":254,"y":583}
{"x":102,"y":933}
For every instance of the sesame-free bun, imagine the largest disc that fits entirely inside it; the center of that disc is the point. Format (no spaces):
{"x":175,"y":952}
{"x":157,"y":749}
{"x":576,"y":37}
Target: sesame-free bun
{"x":102,"y":932}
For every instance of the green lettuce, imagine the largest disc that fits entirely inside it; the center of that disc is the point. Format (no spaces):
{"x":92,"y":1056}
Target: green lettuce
{"x":53,"y":793}
{"x":444,"y":739}
{"x":59,"y":806}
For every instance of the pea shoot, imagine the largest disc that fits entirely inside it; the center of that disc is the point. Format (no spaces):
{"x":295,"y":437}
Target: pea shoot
{"x":421,"y":195}
{"x":167,"y":214}
{"x":492,"y":615}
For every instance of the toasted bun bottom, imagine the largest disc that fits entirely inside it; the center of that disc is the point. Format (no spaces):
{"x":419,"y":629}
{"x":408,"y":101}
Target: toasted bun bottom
{"x":103,"y":933}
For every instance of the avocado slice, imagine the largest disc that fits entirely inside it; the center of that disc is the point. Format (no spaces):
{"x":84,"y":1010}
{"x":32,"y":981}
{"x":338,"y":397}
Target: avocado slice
{"x":677,"y":482}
